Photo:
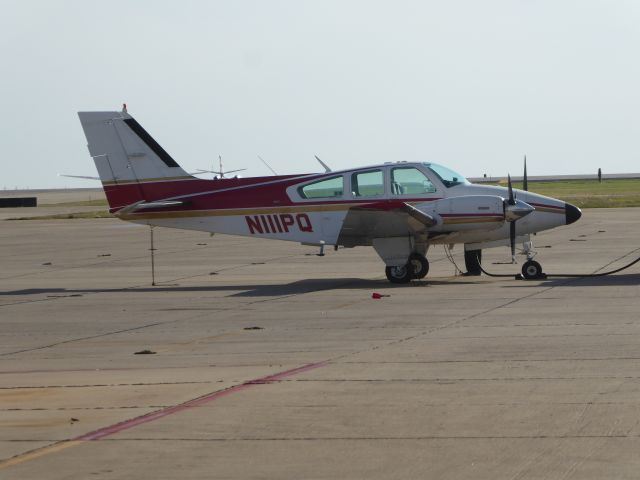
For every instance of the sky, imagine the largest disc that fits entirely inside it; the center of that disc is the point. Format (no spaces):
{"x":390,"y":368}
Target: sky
{"x":474,"y":85}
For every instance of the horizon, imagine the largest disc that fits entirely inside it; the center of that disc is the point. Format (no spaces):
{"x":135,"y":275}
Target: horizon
{"x":499,"y":178}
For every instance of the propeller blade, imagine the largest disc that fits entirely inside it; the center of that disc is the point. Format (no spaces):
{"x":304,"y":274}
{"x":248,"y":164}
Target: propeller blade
{"x":512,"y":200}
{"x":513,"y":210}
{"x":525,"y":183}
{"x":512,"y":240}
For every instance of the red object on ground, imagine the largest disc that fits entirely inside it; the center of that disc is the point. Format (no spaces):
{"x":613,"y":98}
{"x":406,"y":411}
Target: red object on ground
{"x":377,"y":296}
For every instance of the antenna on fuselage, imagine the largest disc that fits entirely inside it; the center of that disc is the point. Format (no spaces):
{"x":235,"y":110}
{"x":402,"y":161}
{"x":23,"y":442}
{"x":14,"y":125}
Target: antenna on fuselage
{"x":267,"y":165}
{"x":324,"y":165}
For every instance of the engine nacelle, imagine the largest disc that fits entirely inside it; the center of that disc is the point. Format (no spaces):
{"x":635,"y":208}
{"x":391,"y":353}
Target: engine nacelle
{"x":468,"y":212}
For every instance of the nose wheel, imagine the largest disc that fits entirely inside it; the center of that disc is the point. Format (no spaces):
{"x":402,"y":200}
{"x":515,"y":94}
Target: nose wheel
{"x":532,"y":270}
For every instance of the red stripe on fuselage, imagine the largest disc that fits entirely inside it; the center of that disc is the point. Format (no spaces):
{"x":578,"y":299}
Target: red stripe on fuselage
{"x":543,"y":205}
{"x":233,"y":193}
{"x":449,"y":215}
{"x":122,"y":195}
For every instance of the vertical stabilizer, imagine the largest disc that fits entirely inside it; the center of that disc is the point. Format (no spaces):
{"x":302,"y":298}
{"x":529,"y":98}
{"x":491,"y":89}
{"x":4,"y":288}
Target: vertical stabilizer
{"x":126,"y":155}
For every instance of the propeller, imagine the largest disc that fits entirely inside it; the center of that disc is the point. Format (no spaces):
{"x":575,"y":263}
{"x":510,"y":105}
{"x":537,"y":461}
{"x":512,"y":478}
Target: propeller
{"x":512,"y":224}
{"x":514,"y":210}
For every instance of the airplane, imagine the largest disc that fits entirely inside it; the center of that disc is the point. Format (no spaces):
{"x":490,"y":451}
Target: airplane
{"x":221,"y":173}
{"x":401,"y":209}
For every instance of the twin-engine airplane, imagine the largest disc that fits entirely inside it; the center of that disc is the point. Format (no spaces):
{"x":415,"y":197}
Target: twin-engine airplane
{"x":400,"y":209}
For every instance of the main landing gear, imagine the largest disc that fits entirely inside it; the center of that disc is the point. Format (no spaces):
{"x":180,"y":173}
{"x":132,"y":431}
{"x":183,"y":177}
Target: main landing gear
{"x":417,"y":267}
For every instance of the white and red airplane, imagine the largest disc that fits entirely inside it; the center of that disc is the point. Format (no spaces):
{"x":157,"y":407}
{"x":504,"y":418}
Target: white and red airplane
{"x":400,"y":209}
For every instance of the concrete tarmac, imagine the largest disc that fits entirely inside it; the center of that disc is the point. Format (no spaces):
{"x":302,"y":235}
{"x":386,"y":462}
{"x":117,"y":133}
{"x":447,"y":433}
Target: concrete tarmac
{"x":271,"y":362}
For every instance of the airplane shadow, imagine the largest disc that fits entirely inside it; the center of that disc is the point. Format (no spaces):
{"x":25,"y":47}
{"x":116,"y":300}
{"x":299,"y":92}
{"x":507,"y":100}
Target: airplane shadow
{"x":263,"y":290}
{"x":615,"y":280}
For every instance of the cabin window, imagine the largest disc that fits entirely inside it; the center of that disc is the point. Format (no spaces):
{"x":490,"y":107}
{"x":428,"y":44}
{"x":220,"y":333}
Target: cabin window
{"x":410,"y":181}
{"x":327,"y":188}
{"x":367,"y":184}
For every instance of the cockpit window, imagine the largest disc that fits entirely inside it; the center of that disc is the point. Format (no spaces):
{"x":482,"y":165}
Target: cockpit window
{"x":410,"y":181}
{"x":448,"y":177}
{"x":327,"y":188}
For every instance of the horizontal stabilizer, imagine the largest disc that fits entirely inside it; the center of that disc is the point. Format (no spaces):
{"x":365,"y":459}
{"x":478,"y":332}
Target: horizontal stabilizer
{"x":142,"y":205}
{"x":84,"y":177}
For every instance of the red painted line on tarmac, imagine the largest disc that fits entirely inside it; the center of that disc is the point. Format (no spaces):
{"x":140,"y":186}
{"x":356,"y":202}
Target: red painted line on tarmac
{"x":196,"y":402}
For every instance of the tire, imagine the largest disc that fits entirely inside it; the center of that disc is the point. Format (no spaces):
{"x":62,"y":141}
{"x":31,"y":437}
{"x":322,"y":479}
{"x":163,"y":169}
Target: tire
{"x":401,"y":274}
{"x":472,"y":261}
{"x":531,"y":270}
{"x":419,"y":265}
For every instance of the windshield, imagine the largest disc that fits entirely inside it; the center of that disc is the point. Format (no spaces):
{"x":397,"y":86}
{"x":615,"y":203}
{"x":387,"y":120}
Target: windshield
{"x":448,"y":177}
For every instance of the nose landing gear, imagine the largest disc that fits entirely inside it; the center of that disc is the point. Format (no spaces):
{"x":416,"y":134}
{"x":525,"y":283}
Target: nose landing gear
{"x":531,"y":270}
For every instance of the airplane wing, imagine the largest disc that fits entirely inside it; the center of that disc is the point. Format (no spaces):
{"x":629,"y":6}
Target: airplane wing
{"x":382,"y":219}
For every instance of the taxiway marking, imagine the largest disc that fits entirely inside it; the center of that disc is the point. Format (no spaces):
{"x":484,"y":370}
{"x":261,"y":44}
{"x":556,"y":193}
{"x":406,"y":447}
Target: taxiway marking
{"x":156,"y":415}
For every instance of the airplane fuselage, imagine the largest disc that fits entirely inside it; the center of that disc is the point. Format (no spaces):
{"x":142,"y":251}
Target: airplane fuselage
{"x":272,"y":207}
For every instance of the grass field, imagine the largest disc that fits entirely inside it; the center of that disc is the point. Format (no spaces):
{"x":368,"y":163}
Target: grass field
{"x":624,"y":192}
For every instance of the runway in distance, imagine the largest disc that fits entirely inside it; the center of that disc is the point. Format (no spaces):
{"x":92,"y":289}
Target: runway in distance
{"x":400,"y":209}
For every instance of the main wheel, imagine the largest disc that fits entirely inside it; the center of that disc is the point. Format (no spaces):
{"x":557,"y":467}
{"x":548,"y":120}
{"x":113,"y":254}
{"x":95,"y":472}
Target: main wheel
{"x":400,"y":274}
{"x":419,"y":265}
{"x":531,"y":270}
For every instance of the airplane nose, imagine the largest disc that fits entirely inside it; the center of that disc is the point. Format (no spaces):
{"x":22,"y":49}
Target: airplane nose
{"x":572,"y":213}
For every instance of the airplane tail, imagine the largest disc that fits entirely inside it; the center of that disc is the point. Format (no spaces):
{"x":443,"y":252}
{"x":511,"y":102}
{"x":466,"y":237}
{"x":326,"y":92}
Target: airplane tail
{"x":132,"y":166}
